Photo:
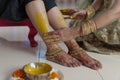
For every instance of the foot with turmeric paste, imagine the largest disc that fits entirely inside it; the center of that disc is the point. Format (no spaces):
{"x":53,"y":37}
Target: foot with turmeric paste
{"x":57,"y":55}
{"x":78,"y":53}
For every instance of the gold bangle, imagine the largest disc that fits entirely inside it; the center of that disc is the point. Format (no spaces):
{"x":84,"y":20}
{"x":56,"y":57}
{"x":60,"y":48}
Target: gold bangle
{"x":93,"y":26}
{"x":88,"y":27}
{"x":90,"y":12}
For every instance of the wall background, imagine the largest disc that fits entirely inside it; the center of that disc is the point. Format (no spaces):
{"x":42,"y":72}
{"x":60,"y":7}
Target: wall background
{"x":67,"y":3}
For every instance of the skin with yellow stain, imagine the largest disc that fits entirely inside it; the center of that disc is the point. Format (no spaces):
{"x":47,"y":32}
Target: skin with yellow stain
{"x":61,"y":21}
{"x":41,"y":23}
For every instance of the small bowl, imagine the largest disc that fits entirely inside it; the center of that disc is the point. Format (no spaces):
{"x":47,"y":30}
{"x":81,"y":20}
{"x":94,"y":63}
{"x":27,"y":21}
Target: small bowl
{"x":37,"y":70}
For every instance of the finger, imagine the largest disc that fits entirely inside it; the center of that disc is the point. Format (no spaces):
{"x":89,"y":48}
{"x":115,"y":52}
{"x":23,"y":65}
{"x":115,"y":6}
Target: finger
{"x":51,"y":33}
{"x":77,"y":15}
{"x":51,"y":37}
{"x":67,"y":11}
{"x":51,"y":41}
{"x":76,"y":10}
{"x":73,"y":10}
{"x":45,"y":34}
{"x":99,"y":65}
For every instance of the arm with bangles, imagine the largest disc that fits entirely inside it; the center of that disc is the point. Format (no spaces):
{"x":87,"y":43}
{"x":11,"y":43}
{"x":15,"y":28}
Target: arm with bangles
{"x":107,"y":17}
{"x":97,"y":4}
{"x":62,"y":35}
{"x":89,"y":12}
{"x":110,"y":15}
{"x":77,"y":31}
{"x":83,"y":13}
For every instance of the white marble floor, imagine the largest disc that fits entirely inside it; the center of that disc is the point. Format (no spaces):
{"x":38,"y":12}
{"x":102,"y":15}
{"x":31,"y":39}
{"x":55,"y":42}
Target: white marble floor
{"x":15,"y":52}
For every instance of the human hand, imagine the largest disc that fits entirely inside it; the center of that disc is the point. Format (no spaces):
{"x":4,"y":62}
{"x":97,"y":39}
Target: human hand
{"x":68,"y":11}
{"x":57,"y":36}
{"x":81,"y":14}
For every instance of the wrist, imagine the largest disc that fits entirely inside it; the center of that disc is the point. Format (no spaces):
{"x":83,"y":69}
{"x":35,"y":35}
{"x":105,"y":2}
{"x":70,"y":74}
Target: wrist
{"x":90,"y":12}
{"x":88,"y":27}
{"x":76,"y":31}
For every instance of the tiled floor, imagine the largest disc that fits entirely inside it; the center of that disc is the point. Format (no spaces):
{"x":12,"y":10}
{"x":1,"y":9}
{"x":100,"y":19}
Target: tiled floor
{"x":15,"y":52}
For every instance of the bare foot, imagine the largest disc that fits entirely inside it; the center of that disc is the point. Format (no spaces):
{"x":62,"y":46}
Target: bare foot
{"x":86,"y":60}
{"x":61,"y":57}
{"x":78,"y":53}
{"x":57,"y":55}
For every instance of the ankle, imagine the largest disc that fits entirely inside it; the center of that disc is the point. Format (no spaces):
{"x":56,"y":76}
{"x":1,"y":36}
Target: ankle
{"x":54,"y":53}
{"x":72,"y":44}
{"x":52,"y":48}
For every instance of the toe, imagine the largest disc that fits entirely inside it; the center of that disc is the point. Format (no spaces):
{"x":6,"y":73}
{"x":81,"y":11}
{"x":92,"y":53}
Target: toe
{"x":99,"y":65}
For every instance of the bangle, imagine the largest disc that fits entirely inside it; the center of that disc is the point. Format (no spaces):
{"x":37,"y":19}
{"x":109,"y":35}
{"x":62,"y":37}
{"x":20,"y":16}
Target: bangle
{"x":88,"y":27}
{"x":90,"y":12}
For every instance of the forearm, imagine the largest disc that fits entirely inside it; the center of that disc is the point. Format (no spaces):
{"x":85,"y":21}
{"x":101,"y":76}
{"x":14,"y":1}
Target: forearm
{"x":109,"y":16}
{"x":97,"y":4}
{"x":91,"y":9}
{"x":100,"y":21}
{"x":37,"y":14}
{"x":105,"y":19}
{"x":56,"y":18}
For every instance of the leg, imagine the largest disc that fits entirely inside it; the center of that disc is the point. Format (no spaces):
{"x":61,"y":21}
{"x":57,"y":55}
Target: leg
{"x":57,"y":22}
{"x":37,"y":14}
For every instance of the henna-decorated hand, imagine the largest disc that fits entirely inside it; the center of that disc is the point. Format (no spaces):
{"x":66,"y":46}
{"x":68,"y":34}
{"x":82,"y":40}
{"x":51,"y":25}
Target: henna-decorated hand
{"x":74,"y":13}
{"x":57,"y":36}
{"x":81,"y":14}
{"x":68,"y":11}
